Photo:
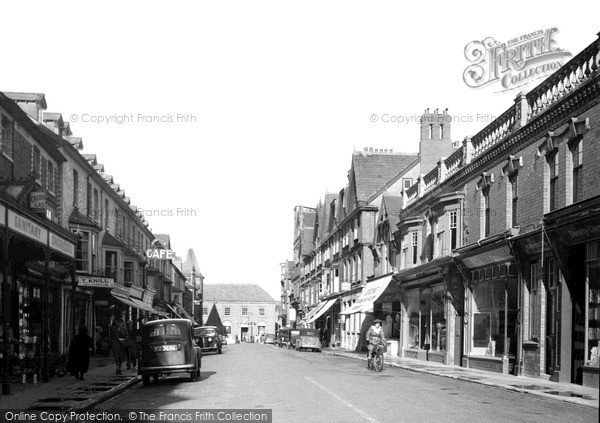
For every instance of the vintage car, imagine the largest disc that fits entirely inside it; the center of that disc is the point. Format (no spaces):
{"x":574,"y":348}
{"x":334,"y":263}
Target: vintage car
{"x":308,"y":339}
{"x":208,"y":338}
{"x":168,"y":346}
{"x":269,"y":338}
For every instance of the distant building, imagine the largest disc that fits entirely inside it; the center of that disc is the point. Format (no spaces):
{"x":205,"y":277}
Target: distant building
{"x":246,"y":310}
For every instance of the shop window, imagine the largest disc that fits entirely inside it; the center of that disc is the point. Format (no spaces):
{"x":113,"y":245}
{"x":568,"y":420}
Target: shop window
{"x":593,"y":273}
{"x":552,"y":316}
{"x":438,"y":322}
{"x":413,"y":321}
{"x":493,"y":318}
{"x":534,"y":303}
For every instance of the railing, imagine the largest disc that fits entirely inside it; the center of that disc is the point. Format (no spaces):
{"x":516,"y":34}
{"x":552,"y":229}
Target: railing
{"x":430,"y":179}
{"x":495,"y":131}
{"x":564,"y":81}
{"x":454,"y":162}
{"x":412,"y":193}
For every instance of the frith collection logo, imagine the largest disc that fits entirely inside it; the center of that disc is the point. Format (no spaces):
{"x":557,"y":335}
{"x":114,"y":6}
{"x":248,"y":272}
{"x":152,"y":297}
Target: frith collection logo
{"x":159,"y":253}
{"x":514,"y":63}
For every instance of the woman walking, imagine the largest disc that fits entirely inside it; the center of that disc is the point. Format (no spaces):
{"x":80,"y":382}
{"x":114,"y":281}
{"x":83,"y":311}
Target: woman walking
{"x":79,"y":353}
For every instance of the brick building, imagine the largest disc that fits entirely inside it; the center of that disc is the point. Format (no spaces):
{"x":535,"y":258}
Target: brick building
{"x":489,"y":257}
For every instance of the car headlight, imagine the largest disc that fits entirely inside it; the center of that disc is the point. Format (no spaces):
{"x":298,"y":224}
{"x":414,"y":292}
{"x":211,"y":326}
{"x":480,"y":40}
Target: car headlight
{"x":209,"y":339}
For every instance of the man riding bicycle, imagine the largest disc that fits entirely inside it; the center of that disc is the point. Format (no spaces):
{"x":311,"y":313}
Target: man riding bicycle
{"x":374,"y":337}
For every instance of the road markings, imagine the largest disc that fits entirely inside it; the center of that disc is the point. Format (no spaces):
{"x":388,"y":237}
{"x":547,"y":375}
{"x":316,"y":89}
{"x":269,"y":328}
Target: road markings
{"x":343,"y":401}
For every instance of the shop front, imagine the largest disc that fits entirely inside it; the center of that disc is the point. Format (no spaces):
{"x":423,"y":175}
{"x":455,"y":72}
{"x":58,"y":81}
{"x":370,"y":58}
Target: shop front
{"x":325,"y":319}
{"x":358,"y":312}
{"x":574,"y":234}
{"x":37,"y":263}
{"x":491,"y":306}
{"x":428,"y":305}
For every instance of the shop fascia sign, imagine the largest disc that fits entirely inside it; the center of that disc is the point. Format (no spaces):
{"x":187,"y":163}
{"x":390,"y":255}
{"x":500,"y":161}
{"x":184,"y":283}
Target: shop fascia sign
{"x":95,"y":281}
{"x":159,"y":253}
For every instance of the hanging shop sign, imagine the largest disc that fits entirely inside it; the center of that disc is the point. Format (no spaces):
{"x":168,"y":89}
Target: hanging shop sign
{"x":159,"y":253}
{"x":37,"y":201}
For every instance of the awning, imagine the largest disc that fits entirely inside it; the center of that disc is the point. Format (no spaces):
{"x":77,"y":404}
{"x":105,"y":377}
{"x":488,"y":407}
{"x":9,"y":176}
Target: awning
{"x":312,"y":312}
{"x":142,"y":305}
{"x":125,"y":300}
{"x":172,"y":310}
{"x":185,"y":313}
{"x":326,"y":305}
{"x":370,"y":293}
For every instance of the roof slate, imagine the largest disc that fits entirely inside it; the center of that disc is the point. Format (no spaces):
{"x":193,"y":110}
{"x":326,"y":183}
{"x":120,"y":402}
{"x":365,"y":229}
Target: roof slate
{"x":372,"y":171}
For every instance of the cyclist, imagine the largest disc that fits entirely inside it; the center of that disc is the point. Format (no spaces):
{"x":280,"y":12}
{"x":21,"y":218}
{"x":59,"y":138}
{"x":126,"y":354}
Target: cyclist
{"x":374,"y":337}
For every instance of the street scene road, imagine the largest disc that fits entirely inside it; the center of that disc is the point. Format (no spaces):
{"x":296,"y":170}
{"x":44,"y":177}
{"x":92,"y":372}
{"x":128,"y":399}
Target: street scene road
{"x":307,"y":386}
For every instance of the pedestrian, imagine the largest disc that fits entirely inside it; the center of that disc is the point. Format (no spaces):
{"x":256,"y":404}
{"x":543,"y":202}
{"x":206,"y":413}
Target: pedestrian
{"x":134,"y":344}
{"x":118,"y":337}
{"x":79,"y":353}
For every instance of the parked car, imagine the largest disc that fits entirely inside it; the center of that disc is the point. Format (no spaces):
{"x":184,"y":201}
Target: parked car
{"x":208,"y":338}
{"x":269,"y":338}
{"x":168,"y":346}
{"x":308,"y":339}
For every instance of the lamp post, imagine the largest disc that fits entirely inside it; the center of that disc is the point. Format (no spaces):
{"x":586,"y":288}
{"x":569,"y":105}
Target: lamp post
{"x":193,"y":282}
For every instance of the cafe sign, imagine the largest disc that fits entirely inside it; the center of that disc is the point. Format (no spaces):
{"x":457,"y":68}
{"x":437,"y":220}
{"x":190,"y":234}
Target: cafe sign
{"x":95,"y":282}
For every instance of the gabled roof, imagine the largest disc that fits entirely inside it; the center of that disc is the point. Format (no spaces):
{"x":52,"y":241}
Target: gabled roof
{"x":372,"y":171}
{"x":165,"y":240}
{"x":77,"y":218}
{"x":239,"y":292}
{"x":36,"y":97}
{"x":189,"y":262}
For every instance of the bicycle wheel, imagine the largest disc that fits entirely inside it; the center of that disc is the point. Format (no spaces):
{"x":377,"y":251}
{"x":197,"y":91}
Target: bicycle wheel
{"x":378,"y":362}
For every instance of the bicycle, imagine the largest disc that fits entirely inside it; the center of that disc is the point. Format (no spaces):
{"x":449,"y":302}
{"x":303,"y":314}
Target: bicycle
{"x":375,"y":361}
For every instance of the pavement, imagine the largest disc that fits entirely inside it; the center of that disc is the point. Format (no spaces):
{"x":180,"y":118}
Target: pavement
{"x":101,"y":383}
{"x":567,"y":392}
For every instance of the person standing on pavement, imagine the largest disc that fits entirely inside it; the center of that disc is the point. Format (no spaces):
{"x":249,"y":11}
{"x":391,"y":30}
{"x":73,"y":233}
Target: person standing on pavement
{"x":118,"y":337}
{"x":132,"y":356}
{"x":79,"y":353}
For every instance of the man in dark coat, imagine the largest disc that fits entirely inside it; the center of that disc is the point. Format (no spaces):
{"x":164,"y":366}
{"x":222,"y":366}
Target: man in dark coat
{"x":79,"y":353}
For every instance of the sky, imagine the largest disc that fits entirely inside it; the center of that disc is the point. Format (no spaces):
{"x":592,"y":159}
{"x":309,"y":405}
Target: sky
{"x":217,"y":118}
